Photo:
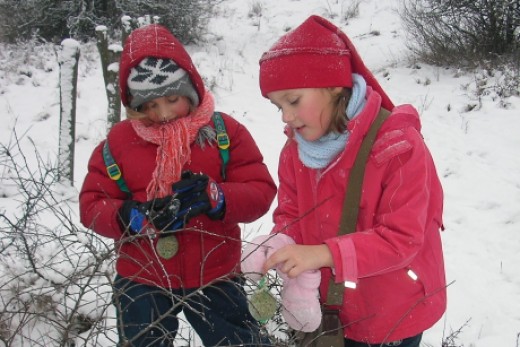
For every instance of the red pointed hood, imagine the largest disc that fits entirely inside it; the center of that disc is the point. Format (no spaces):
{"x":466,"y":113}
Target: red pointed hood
{"x":316,"y":54}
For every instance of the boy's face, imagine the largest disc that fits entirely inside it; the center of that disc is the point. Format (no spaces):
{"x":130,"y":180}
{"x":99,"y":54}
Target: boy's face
{"x":308,"y":111}
{"x":166,"y":108}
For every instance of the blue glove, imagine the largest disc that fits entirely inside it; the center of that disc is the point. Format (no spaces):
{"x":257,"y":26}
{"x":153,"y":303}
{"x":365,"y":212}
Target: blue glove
{"x":162,"y":213}
{"x":133,"y":216}
{"x":198,"y":194}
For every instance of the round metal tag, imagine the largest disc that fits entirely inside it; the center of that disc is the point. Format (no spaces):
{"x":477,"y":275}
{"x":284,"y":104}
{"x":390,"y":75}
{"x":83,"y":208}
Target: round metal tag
{"x":167,"y":246}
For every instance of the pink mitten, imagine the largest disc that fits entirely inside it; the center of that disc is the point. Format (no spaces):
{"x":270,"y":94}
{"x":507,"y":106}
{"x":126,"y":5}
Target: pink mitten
{"x":300,"y":296}
{"x":253,"y":258}
{"x":300,"y":300}
{"x":258,"y":250}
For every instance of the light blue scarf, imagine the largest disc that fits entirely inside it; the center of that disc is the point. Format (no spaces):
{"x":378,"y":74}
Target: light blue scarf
{"x":318,"y":154}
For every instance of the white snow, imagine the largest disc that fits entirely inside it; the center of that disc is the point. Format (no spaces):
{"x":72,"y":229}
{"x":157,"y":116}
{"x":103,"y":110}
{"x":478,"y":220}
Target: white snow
{"x":476,"y":152}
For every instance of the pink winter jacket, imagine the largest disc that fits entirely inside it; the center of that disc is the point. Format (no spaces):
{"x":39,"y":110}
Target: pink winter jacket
{"x":395,"y":256}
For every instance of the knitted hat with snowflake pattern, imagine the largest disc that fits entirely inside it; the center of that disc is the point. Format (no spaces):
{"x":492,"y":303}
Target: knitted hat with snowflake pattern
{"x":156,"y":41}
{"x":154,"y":78}
{"x":316,"y":54}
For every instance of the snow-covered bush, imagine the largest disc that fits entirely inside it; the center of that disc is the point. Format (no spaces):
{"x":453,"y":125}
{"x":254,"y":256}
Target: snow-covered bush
{"x":55,"y":276}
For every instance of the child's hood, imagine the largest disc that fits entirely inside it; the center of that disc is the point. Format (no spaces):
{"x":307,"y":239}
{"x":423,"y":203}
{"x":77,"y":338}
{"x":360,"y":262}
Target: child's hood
{"x":316,"y":54}
{"x":154,"y":41}
{"x":405,"y":116}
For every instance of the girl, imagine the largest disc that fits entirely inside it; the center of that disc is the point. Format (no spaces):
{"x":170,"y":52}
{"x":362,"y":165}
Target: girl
{"x":176,"y":229}
{"x":392,"y":265}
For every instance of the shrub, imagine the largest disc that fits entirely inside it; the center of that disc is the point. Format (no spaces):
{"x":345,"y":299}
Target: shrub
{"x":462,"y":32}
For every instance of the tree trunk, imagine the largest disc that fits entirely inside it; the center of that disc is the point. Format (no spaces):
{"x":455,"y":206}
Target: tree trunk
{"x":109,"y":64}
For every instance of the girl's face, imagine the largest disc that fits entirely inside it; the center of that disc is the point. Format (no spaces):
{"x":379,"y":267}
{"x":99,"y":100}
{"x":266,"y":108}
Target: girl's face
{"x":308,"y":111}
{"x":166,"y":108}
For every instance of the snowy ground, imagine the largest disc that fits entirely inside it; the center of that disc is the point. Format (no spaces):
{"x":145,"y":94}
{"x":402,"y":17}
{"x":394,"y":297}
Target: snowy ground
{"x":475,"y":152}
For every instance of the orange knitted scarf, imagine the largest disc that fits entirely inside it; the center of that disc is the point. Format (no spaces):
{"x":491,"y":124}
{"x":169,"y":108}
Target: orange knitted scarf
{"x":174,"y":140}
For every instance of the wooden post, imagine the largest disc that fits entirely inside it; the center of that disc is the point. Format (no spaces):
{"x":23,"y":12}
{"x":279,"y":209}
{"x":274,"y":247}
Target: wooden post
{"x":68,"y":62}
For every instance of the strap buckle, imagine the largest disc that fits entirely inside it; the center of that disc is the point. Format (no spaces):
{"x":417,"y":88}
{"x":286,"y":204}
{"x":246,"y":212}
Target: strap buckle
{"x":223,"y":141}
{"x":114,"y":172}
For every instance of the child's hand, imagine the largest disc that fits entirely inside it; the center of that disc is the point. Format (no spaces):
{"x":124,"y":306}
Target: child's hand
{"x":295,"y":259}
{"x":162,"y":213}
{"x":198,"y":194}
{"x":132,"y":216}
{"x":258,"y":250}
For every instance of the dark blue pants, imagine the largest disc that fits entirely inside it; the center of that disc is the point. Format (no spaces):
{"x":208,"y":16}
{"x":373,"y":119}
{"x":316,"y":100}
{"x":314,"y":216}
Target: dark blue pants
{"x":413,"y":341}
{"x":147,"y":315}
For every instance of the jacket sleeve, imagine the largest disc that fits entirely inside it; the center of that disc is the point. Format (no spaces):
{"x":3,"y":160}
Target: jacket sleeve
{"x":100,"y":198}
{"x":401,"y":217}
{"x":249,"y":188}
{"x":285,"y":216}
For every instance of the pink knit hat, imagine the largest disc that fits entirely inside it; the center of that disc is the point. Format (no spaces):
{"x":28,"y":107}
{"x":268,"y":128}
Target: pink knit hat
{"x":316,"y":54}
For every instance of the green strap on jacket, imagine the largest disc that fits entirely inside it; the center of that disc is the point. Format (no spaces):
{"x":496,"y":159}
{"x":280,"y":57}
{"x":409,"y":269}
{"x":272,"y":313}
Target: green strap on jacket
{"x":113,"y":169}
{"x":223,"y":143}
{"x":352,"y":198}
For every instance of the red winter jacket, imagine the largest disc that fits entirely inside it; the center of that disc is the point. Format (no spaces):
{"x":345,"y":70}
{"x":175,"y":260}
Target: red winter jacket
{"x":395,"y":256}
{"x":202,"y":256}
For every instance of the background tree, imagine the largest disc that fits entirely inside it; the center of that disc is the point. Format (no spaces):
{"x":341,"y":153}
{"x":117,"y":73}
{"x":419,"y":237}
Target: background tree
{"x":186,"y":19}
{"x":55,"y":20}
{"x":109,"y":56}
